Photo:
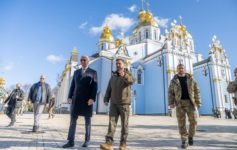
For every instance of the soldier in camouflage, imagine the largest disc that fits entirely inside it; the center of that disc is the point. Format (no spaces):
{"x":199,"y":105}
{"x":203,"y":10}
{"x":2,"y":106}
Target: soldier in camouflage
{"x":185,"y":96}
{"x":232,"y":88}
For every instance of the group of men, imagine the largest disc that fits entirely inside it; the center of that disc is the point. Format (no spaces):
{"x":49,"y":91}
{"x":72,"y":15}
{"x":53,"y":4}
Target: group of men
{"x":184,"y":95}
{"x":40,"y":97}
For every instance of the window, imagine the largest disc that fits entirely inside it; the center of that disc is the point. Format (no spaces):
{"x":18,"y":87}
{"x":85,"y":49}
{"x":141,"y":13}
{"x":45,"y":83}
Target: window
{"x":140,"y":37}
{"x":102,"y":46}
{"x":139,"y":76}
{"x":155,"y":34}
{"x":226,"y":100}
{"x":147,"y":34}
{"x":181,"y":61}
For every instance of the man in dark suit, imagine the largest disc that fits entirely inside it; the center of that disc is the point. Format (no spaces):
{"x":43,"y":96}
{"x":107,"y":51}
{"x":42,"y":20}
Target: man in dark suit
{"x":82,"y":95}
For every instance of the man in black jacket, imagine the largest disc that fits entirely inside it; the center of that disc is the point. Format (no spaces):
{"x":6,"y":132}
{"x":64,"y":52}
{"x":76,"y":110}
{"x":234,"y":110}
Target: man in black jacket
{"x":82,"y":95}
{"x":14,"y":102}
{"x":40,"y":94}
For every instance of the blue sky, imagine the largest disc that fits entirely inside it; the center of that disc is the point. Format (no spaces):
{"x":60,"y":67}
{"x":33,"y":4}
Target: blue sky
{"x":37,"y":36}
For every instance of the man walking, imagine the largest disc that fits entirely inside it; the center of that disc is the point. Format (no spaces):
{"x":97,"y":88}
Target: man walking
{"x":232,"y":88}
{"x":39,"y":95}
{"x":51,"y":107}
{"x":184,"y":95}
{"x":14,"y":103}
{"x":119,"y":95}
{"x":82,"y":95}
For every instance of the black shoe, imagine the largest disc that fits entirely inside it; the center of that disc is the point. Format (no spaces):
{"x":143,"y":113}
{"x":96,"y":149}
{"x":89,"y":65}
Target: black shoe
{"x":69,"y":144}
{"x":190,"y":141}
{"x":184,"y":145}
{"x":35,"y":129}
{"x":11,"y":124}
{"x":86,"y":144}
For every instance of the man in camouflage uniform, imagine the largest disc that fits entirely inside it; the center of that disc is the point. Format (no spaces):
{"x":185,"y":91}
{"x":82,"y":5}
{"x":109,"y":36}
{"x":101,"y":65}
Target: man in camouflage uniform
{"x":232,"y":88}
{"x":119,"y":95}
{"x":184,"y":95}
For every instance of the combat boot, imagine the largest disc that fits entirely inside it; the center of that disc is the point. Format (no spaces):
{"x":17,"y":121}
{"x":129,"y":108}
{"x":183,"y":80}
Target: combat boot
{"x":184,"y":145}
{"x":122,"y":147}
{"x":190,"y":141}
{"x":106,"y":146}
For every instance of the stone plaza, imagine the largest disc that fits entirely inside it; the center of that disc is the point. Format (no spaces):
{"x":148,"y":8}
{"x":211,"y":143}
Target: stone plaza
{"x":145,"y":133}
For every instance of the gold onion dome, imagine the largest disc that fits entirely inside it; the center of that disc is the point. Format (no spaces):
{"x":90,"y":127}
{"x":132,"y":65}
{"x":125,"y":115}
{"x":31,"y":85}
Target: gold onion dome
{"x":119,"y":42}
{"x":149,"y":16}
{"x":75,"y":51}
{"x":2,"y":81}
{"x":146,"y":18}
{"x":184,"y":31}
{"x":142,"y":15}
{"x":106,"y":35}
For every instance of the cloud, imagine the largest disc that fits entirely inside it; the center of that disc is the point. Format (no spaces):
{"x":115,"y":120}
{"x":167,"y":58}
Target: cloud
{"x":162,"y":22}
{"x":7,"y":67}
{"x":132,"y":8}
{"x":83,"y":25}
{"x":54,"y":58}
{"x":115,"y":22}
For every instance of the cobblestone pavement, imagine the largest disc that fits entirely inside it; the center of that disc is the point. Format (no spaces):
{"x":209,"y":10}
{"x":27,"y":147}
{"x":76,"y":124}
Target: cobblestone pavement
{"x":145,"y":133}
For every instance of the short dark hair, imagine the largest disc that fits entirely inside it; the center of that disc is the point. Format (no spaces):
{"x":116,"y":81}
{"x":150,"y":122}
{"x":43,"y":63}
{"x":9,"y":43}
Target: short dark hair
{"x":235,"y":70}
{"x":180,"y":65}
{"x":121,"y":59}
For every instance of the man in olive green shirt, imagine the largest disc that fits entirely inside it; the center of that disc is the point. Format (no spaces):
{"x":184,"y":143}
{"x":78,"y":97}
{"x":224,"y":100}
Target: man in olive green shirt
{"x":119,"y":95}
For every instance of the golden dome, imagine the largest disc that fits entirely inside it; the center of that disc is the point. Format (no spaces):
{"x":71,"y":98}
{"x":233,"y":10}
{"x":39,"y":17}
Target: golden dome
{"x":2,"y":81}
{"x":119,"y":42}
{"x":142,"y":15}
{"x":106,"y":35}
{"x":146,"y":18}
{"x":184,"y":32}
{"x":75,"y":51}
{"x":149,"y":17}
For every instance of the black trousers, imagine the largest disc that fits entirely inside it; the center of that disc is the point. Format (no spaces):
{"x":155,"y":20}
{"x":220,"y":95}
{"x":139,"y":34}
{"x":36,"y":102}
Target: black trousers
{"x":72,"y":128}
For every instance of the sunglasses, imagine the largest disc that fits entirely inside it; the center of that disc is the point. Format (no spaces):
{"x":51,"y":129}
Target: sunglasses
{"x":83,"y":59}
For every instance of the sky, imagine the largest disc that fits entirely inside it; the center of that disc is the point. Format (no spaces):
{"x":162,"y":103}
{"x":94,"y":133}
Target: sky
{"x":37,"y":36}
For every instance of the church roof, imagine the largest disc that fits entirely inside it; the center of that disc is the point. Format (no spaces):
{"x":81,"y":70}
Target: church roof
{"x":202,"y":62}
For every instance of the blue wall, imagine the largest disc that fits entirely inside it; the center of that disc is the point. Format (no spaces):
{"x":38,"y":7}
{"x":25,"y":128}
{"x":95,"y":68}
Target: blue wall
{"x":153,"y":88}
{"x":203,"y":83}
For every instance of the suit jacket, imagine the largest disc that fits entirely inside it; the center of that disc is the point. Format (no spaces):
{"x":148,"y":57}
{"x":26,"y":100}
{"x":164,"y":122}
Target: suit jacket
{"x":83,"y":87}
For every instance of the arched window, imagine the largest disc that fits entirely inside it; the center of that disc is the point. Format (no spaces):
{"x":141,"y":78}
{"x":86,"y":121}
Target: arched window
{"x":147,"y":34}
{"x":139,"y":76}
{"x":102,"y":46}
{"x":140,"y":36}
{"x":155,"y":34}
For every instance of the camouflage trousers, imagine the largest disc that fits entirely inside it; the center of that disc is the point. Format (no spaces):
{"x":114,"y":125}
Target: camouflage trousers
{"x":51,"y":112}
{"x":186,"y":108}
{"x":114,"y":113}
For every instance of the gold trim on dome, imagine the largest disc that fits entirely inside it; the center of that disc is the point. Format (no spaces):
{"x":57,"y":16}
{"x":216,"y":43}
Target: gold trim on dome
{"x":106,"y":35}
{"x":119,"y":42}
{"x":2,"y":81}
{"x":75,"y":51}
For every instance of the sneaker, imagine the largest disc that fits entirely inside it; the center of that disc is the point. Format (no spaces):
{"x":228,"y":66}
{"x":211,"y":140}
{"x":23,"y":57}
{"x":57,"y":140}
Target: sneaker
{"x":106,"y":146}
{"x":190,"y":141}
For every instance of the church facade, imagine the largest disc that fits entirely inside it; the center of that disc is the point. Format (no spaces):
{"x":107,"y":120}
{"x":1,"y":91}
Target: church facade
{"x":152,"y":59}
